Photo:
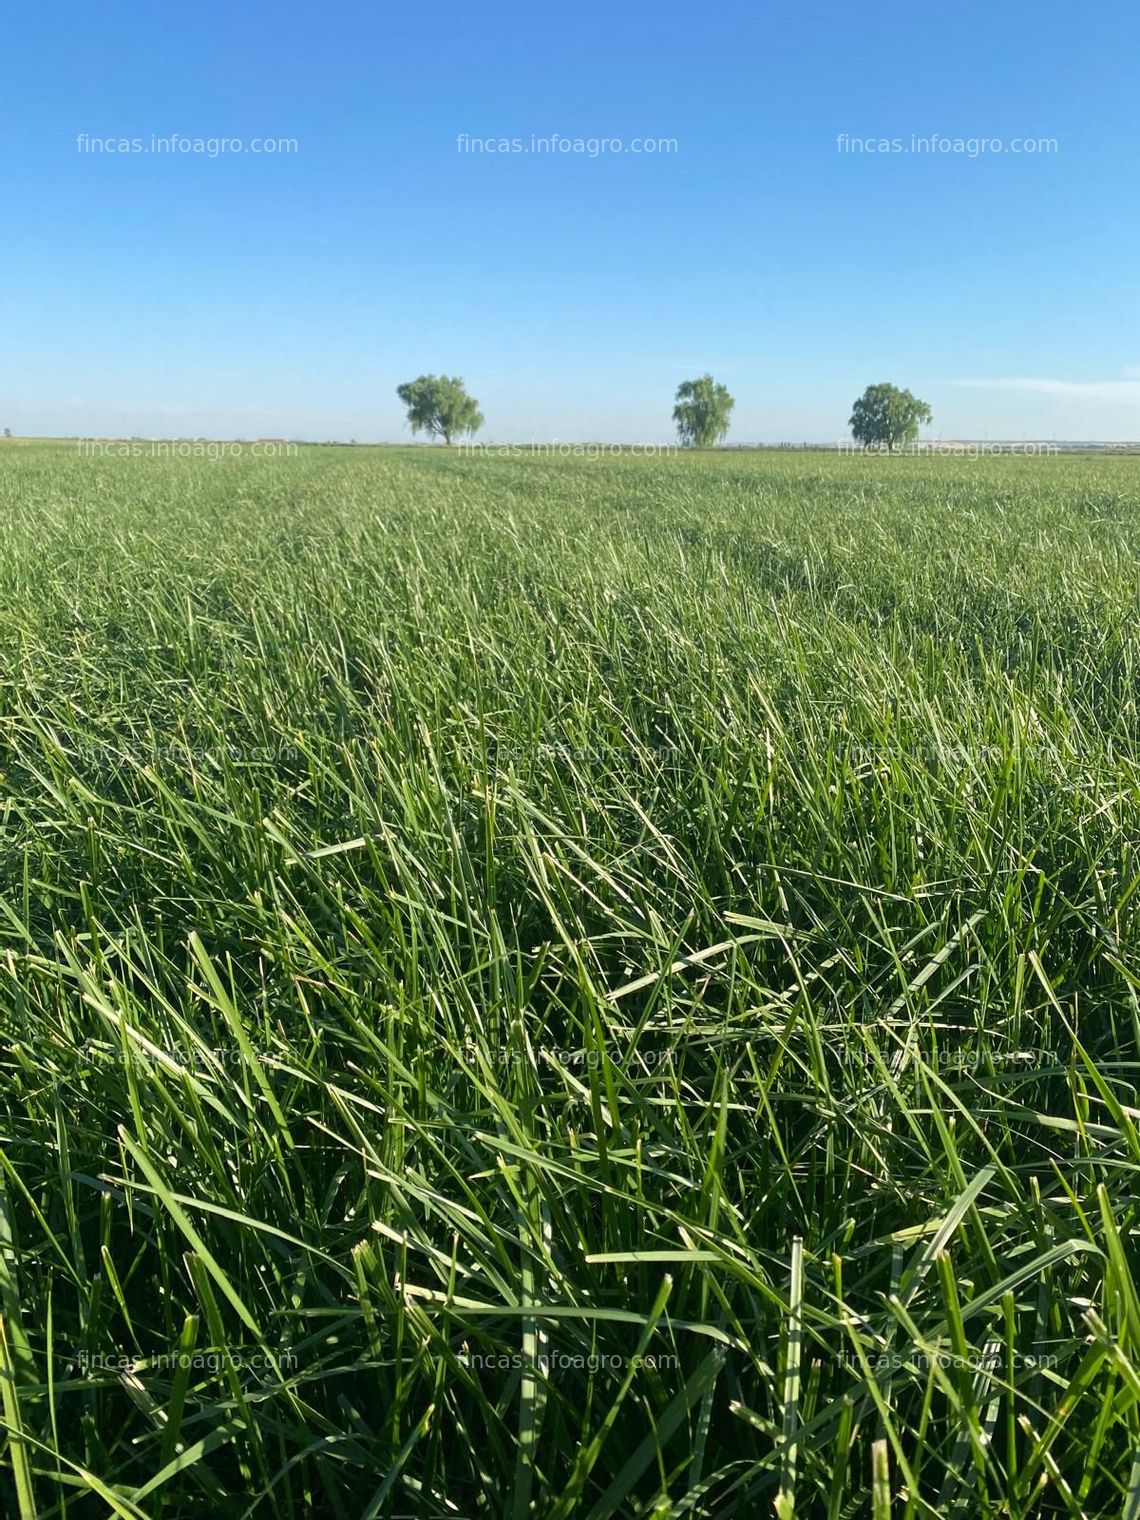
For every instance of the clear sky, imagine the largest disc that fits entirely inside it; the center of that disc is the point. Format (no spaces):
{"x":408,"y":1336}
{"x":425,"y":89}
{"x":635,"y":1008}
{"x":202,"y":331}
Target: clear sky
{"x":175,"y":293}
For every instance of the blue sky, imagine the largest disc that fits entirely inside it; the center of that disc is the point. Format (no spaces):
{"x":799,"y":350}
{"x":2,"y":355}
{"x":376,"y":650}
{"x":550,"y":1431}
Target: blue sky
{"x":174,"y":293}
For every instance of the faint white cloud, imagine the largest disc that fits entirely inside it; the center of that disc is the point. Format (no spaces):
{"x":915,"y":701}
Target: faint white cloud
{"x":1081,"y":390}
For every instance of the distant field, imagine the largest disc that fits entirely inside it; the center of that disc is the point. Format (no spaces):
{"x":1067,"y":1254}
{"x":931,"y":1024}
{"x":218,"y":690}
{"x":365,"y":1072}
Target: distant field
{"x":586,"y":987}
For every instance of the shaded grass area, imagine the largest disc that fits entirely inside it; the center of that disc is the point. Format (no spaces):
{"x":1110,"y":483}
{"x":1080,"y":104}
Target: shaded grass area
{"x":574,"y":988}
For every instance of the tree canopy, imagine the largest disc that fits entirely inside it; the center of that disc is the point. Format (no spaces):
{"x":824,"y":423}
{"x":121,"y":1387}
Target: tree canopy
{"x":702,"y":412}
{"x":440,"y":406}
{"x":886,"y":417}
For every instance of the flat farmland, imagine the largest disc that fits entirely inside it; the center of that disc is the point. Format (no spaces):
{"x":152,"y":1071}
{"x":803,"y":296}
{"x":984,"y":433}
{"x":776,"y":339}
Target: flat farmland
{"x":569,"y":986}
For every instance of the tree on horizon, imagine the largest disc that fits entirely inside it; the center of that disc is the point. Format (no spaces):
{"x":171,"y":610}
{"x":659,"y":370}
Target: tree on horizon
{"x":702,"y":412}
{"x":440,"y":406}
{"x":885,"y":416}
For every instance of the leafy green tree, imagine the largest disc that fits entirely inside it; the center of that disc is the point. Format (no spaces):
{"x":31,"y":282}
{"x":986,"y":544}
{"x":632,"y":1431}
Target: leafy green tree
{"x":886,"y":418}
{"x":440,"y":406}
{"x":702,"y":412}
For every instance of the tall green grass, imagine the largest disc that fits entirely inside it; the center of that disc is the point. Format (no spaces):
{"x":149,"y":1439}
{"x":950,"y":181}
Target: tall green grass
{"x":597,"y":987}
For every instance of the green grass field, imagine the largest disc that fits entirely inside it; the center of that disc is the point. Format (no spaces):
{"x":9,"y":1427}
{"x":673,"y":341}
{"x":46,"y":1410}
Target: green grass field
{"x":569,"y":988}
